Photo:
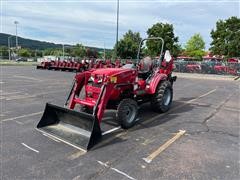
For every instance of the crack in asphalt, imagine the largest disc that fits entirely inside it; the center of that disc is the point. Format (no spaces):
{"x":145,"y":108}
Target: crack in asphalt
{"x":206,"y":120}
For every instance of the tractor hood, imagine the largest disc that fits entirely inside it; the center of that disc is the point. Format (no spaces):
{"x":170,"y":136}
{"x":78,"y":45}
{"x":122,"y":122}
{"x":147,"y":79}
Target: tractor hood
{"x":112,"y":71}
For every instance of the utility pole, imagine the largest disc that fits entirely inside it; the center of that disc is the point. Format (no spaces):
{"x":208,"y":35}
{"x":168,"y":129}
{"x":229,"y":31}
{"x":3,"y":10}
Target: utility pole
{"x":9,"y":48}
{"x":117,"y":28}
{"x":16,"y":23}
{"x":104,"y":55}
{"x":36,"y":54}
{"x":63,"y":51}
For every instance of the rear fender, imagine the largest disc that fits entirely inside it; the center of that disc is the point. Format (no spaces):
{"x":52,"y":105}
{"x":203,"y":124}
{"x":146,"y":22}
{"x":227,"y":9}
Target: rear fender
{"x":154,"y":82}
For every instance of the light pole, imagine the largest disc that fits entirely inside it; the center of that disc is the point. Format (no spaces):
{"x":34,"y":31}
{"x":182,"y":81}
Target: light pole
{"x":117,"y":27}
{"x":63,"y":51}
{"x":9,"y":48}
{"x":16,"y":23}
{"x":104,"y":55}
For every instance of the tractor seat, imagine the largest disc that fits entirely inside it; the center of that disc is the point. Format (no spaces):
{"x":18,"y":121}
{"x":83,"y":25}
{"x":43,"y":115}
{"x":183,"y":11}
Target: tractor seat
{"x":145,"y":67}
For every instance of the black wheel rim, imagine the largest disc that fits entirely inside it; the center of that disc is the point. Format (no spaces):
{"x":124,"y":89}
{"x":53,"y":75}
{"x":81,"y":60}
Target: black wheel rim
{"x":130,"y":113}
{"x":167,"y":97}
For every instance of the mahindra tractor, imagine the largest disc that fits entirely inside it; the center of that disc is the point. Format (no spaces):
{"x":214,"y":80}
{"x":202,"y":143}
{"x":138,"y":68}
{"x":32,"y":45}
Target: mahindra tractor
{"x":193,"y":67}
{"x":123,"y":89}
{"x":44,"y":64}
{"x":220,"y":68}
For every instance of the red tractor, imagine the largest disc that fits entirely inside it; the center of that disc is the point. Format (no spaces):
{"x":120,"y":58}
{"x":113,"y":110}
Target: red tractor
{"x":44,"y":65}
{"x":220,"y":68}
{"x":122,"y":89}
{"x":193,"y":67}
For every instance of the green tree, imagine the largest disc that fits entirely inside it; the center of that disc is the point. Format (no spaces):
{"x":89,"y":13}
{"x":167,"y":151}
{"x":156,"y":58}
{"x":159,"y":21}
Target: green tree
{"x":165,"y":31}
{"x":24,"y":52}
{"x":57,"y":52}
{"x":108,"y":54}
{"x":226,"y":37}
{"x":128,"y":45}
{"x":79,"y":50}
{"x":3,"y":52}
{"x":195,"y":46}
{"x":52,"y":52}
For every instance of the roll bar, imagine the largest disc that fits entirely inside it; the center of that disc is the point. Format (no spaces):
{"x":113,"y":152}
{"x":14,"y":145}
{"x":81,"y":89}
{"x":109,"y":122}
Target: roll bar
{"x":151,"y":38}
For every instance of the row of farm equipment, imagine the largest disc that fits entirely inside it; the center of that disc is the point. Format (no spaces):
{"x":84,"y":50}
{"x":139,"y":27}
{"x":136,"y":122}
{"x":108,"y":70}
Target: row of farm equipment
{"x":76,"y":66}
{"x":229,"y":67}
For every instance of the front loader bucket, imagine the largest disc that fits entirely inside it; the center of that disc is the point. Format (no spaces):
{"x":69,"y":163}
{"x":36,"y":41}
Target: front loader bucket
{"x":78,"y":129}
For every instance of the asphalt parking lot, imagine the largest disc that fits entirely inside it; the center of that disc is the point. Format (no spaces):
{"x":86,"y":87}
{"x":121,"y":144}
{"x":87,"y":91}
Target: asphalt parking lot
{"x":208,"y":110}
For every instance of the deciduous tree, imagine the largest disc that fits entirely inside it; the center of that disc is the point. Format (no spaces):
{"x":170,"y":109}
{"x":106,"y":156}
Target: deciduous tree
{"x":24,"y":52}
{"x":166,"y":31}
{"x":226,"y":37}
{"x":128,"y":45}
{"x":79,"y":50}
{"x":195,"y":46}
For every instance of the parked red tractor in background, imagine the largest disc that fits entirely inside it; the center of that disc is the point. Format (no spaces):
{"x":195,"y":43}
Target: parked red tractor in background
{"x":122,"y":89}
{"x":232,"y":67}
{"x":193,"y":67}
{"x":220,"y":68}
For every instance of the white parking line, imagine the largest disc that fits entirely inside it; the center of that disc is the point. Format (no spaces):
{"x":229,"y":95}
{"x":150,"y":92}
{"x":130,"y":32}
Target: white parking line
{"x":30,"y":148}
{"x":23,"y":116}
{"x":26,"y":77}
{"x":164,"y":146}
{"x":111,"y":130}
{"x":116,"y":170}
{"x":4,"y":94}
{"x":192,"y":100}
{"x":18,"y":122}
{"x":180,"y":106}
{"x":120,"y":172}
{"x":32,"y":96}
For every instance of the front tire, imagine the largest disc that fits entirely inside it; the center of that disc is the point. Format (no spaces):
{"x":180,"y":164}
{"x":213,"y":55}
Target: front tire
{"x":162,"y":99}
{"x":127,"y":112}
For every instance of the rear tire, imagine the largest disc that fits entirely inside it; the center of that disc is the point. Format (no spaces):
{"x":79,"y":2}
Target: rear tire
{"x":162,"y":99}
{"x":127,"y":112}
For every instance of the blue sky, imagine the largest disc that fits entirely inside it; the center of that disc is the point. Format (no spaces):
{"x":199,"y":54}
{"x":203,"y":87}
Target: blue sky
{"x":93,"y":22}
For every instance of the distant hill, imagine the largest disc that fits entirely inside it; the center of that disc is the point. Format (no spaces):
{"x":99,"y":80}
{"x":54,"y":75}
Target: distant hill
{"x":32,"y":44}
{"x":27,"y":43}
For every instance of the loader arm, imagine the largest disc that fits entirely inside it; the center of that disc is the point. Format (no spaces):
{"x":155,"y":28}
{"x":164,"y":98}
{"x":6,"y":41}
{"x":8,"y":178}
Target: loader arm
{"x":103,"y":99}
{"x":77,"y":87}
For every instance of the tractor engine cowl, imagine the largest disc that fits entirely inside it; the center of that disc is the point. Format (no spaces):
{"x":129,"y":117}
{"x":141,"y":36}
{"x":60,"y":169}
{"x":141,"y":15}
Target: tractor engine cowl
{"x":116,"y":75}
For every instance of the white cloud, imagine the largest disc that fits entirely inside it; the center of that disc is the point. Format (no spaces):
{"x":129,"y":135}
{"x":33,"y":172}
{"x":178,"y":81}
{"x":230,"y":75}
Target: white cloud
{"x":93,"y":22}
